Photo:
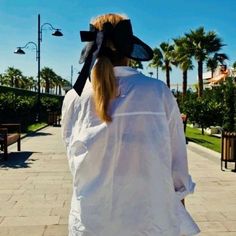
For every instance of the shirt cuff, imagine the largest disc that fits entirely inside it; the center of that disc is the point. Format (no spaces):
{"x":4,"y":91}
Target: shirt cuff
{"x":187,"y":189}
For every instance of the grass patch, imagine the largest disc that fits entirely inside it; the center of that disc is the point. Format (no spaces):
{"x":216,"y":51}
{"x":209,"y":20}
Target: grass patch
{"x":208,"y":141}
{"x":36,"y":126}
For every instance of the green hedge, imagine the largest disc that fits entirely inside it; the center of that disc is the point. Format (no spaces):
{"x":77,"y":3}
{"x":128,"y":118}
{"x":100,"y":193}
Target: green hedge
{"x":17,"y":105}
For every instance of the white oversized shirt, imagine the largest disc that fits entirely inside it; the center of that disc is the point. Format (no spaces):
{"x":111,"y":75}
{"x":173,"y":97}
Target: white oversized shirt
{"x":130,"y":175}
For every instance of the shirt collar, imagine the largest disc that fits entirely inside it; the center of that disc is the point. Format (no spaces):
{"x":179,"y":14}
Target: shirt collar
{"x":124,"y":71}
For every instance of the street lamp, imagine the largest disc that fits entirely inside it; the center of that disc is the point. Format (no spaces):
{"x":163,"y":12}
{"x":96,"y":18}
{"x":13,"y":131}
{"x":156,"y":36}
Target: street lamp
{"x":19,"y":50}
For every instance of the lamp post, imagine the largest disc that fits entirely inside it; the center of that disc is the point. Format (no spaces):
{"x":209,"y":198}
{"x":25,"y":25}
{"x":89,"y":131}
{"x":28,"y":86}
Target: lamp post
{"x":19,"y":50}
{"x":72,"y":69}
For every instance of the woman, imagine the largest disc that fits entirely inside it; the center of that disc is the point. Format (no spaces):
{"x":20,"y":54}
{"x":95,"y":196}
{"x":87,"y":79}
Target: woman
{"x":125,"y":142}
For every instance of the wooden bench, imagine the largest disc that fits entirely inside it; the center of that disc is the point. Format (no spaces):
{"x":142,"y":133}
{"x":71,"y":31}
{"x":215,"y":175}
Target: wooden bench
{"x":9,"y":134}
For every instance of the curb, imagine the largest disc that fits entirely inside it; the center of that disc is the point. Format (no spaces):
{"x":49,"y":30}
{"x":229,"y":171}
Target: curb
{"x":204,"y":152}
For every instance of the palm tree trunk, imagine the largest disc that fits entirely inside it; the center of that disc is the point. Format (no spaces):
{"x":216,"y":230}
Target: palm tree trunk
{"x":157,"y":72}
{"x":184,"y":85}
{"x":16,"y":83}
{"x":59,"y":89}
{"x":47,"y":85}
{"x":200,"y":79}
{"x":167,"y":75}
{"x":212,"y":73}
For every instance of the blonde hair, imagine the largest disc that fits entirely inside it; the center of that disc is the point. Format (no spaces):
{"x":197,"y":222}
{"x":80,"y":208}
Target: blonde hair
{"x":103,"y":78}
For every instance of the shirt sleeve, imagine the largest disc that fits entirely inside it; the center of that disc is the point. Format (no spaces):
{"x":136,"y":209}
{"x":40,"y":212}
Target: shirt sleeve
{"x":182,"y":180}
{"x":68,"y":120}
{"x":68,"y":116}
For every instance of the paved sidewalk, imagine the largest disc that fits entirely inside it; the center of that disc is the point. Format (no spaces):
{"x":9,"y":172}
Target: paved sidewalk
{"x":35,"y":189}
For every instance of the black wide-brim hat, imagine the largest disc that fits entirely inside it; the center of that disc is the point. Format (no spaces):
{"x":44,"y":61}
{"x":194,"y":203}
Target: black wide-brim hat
{"x":125,"y":44}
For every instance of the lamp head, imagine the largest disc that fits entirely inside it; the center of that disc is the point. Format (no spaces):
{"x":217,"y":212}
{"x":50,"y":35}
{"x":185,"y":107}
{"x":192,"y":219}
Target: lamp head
{"x":19,"y":51}
{"x":58,"y":33}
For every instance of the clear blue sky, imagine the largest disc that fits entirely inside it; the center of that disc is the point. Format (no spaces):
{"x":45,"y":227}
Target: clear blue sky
{"x":154,"y":21}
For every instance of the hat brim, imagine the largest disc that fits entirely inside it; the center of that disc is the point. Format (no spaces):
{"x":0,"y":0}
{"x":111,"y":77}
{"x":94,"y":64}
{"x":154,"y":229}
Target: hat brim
{"x":140,"y":51}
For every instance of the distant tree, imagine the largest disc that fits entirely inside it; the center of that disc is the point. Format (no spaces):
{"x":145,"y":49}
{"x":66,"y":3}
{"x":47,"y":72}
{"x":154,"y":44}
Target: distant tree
{"x":3,"y":80}
{"x":136,"y":64}
{"x":14,"y":77}
{"x":200,"y":45}
{"x":183,"y":60}
{"x":221,"y":57}
{"x":212,"y":65}
{"x":167,"y":57}
{"x":48,"y":77}
{"x":229,"y":105}
{"x":157,"y":60}
{"x":213,"y":62}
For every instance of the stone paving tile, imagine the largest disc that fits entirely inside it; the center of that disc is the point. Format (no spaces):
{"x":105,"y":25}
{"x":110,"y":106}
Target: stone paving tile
{"x":5,"y":211}
{"x":58,"y":230}
{"x":22,"y":231}
{"x":212,"y":226}
{"x":5,"y":197}
{"x":60,"y":211}
{"x":230,"y":215}
{"x":214,"y":216}
{"x":63,"y":220}
{"x":230,"y":225}
{"x":42,"y":203}
{"x":4,"y":231}
{"x":29,"y":221}
{"x":35,"y":211}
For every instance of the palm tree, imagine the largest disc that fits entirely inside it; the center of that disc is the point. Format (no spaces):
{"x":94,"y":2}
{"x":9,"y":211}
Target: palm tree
{"x":3,"y":80}
{"x":156,"y":60}
{"x":167,"y":51}
{"x":221,"y":57}
{"x":48,"y":76}
{"x":32,"y":83}
{"x":14,"y":77}
{"x":66,"y":84}
{"x":212,"y":65}
{"x":183,"y":60}
{"x":59,"y":83}
{"x":200,"y":45}
{"x":212,"y":62}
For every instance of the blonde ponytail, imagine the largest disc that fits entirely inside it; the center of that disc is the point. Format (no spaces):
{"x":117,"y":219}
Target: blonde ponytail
{"x":104,"y":87}
{"x":103,"y":78}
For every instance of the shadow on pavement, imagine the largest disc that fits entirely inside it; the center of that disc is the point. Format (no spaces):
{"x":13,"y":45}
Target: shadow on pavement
{"x":35,"y":134}
{"x":195,"y":140}
{"x":16,"y":160}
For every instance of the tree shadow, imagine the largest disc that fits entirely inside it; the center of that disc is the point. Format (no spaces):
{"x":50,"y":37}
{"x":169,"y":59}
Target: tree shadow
{"x":16,"y":160}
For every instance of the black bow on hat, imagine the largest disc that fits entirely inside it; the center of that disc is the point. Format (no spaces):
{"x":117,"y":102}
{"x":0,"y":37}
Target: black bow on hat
{"x":125,"y":43}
